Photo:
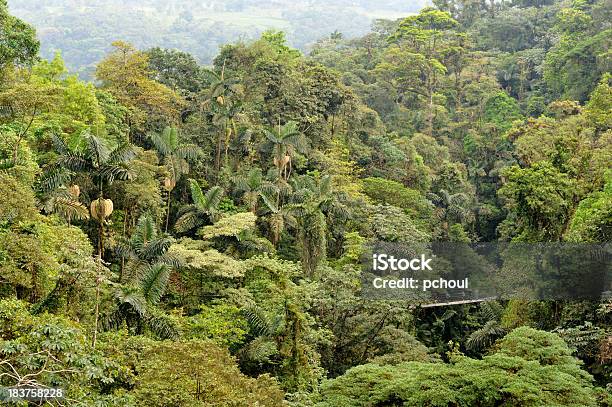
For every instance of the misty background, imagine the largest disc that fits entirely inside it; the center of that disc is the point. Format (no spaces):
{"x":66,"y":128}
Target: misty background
{"x":84,"y":29}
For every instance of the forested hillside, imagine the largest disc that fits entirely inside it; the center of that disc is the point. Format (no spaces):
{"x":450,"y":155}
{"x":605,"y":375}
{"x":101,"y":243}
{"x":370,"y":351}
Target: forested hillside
{"x":84,"y":29}
{"x":176,"y":235}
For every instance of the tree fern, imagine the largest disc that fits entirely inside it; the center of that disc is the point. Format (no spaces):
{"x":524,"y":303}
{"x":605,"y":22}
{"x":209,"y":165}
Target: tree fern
{"x":257,"y":320}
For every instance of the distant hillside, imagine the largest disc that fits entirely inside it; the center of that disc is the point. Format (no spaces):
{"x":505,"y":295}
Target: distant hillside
{"x":83,"y":29}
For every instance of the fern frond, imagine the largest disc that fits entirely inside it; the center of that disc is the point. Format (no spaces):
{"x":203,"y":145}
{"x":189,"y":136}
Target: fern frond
{"x":257,"y":320}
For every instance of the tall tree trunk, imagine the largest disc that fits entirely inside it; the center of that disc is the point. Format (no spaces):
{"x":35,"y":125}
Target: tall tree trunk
{"x":218,"y":154}
{"x":430,"y":109}
{"x":168,"y":210}
{"x":97,"y":308}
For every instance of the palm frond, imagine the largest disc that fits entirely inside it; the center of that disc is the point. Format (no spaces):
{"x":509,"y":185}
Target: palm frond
{"x":188,"y":221}
{"x":161,"y":144}
{"x":269,"y":188}
{"x":299,"y":141}
{"x":212,"y":199}
{"x":259,"y":350}
{"x":485,"y":336}
{"x":156,"y":248}
{"x":73,"y":162}
{"x":210,"y":75}
{"x":162,"y":325}
{"x":124,"y":249}
{"x":70,"y":208}
{"x":289,"y":129}
{"x":171,"y":261}
{"x":154,"y":281}
{"x":130,"y":297}
{"x":269,"y":202}
{"x":53,"y":177}
{"x":145,"y":230}
{"x":196,"y":194}
{"x":241,"y":182}
{"x":255,"y":178}
{"x":189,"y":152}
{"x":121,"y":155}
{"x":60,"y":145}
{"x":112,"y":172}
{"x":176,"y":166}
{"x":97,"y":149}
{"x":171,"y":135}
{"x":492,"y":310}
{"x":271,"y":136}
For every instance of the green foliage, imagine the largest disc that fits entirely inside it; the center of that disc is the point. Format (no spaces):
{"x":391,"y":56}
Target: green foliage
{"x":232,"y":225}
{"x":16,"y":201}
{"x":41,"y":257}
{"x":592,"y":219}
{"x":388,"y":192}
{"x":205,"y":206}
{"x":18,"y":43}
{"x":207,"y":260}
{"x":567,"y":77}
{"x":599,"y":105}
{"x":197,"y":373}
{"x":501,"y":110}
{"x":222,"y":324}
{"x":539,"y":198}
{"x":176,"y":69}
{"x":49,"y":350}
{"x":525,"y":361}
{"x":125,"y":74}
{"x":391,"y":224}
{"x":468,"y":122}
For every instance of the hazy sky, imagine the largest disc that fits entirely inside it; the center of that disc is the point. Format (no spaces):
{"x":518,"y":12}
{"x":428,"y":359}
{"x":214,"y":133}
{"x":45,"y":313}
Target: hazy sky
{"x":83,"y":29}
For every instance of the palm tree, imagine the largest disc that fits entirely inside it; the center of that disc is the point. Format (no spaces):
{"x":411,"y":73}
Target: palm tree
{"x":255,"y":188}
{"x":176,"y":157}
{"x":65,"y":203}
{"x":224,"y":109}
{"x":285,"y":140}
{"x":145,"y":247}
{"x":221,"y":85}
{"x":314,"y":203}
{"x":278,"y":220}
{"x":204,"y":208}
{"x":98,"y":163}
{"x":491,"y":330}
{"x":224,"y":112}
{"x":135,"y":303}
{"x":451,"y":208}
